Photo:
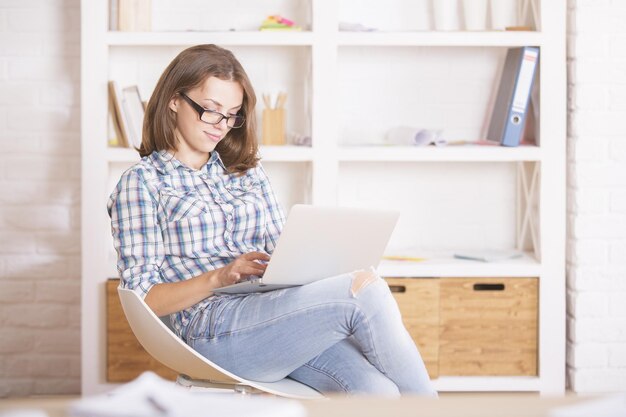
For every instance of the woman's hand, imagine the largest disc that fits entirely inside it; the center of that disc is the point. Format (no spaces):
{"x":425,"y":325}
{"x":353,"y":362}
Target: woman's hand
{"x":242,"y":267}
{"x":170,"y":297}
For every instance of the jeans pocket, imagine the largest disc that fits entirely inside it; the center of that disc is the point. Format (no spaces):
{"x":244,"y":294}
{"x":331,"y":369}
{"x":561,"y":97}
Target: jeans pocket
{"x":202,"y":324}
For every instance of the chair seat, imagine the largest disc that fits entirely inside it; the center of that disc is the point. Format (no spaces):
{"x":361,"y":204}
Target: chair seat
{"x":166,"y":347}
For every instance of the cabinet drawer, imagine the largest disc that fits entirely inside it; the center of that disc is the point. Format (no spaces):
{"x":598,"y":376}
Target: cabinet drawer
{"x":126,"y":358}
{"x":418,"y":299}
{"x":488,"y":326}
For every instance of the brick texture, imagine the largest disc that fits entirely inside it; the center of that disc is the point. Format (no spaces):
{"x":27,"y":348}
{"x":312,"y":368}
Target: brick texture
{"x":40,"y":239}
{"x":596,"y":255}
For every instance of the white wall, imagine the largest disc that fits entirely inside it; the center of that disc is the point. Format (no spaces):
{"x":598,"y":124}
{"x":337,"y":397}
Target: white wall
{"x":40,"y":203}
{"x":596,"y":269}
{"x":39,"y":197}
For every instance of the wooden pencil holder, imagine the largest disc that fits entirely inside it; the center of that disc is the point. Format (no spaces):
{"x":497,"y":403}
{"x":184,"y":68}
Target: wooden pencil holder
{"x":274,"y":126}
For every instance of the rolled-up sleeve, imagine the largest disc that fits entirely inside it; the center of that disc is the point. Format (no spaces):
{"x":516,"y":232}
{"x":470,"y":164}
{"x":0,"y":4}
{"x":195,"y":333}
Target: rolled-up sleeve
{"x":136,"y":234}
{"x":275,"y":214}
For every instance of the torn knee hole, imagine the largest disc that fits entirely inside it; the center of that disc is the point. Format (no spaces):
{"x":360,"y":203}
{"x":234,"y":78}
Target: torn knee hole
{"x":360,"y":280}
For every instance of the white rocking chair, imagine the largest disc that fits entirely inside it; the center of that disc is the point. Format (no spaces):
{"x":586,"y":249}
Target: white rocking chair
{"x":194,"y":369}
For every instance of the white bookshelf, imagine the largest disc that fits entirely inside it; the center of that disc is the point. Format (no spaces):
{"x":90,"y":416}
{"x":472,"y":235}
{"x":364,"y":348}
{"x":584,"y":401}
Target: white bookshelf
{"x":452,"y":197}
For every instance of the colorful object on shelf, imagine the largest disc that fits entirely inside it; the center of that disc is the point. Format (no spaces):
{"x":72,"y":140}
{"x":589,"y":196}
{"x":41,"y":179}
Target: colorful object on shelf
{"x":276,"y":22}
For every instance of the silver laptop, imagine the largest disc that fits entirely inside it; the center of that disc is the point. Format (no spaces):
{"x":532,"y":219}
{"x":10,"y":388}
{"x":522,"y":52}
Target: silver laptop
{"x":322,"y":242}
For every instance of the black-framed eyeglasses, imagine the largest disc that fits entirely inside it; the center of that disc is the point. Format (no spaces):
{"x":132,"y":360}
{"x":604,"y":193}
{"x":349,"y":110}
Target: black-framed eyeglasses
{"x":214,"y":117}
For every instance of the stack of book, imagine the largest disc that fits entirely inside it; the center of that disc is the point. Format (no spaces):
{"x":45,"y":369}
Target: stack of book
{"x":126,"y":112}
{"x":130,"y":15}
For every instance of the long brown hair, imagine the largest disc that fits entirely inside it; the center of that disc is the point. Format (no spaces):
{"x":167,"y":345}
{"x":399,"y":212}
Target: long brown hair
{"x":238,"y":150}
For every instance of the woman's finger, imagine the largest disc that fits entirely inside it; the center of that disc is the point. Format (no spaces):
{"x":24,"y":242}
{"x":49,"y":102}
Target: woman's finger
{"x":253,"y":268}
{"x":251,"y":256}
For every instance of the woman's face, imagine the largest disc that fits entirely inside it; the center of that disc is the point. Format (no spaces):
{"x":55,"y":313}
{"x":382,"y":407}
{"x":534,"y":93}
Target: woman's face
{"x":196,"y":138}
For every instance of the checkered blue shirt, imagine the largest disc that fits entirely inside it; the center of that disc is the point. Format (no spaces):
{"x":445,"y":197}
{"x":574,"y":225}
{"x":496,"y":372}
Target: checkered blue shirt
{"x":171,"y":223}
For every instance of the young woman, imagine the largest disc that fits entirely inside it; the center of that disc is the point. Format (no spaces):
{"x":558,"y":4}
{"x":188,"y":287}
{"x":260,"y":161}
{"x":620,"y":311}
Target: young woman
{"x":198,"y":212}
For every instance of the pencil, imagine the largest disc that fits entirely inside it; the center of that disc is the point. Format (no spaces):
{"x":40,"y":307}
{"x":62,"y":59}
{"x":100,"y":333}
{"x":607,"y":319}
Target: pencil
{"x":282,"y":98}
{"x":404,"y":258}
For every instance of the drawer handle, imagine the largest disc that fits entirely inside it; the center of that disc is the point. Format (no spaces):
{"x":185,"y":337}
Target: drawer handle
{"x":488,"y":287}
{"x":397,"y":288}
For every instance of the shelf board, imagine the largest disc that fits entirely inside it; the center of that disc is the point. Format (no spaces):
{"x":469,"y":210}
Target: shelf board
{"x":524,"y":267}
{"x":446,"y":266}
{"x":268,"y":154}
{"x":116,"y":38}
{"x":434,"y":38}
{"x":444,"y":153}
{"x":306,"y":38}
{"x":285,"y":153}
{"x":379,"y":154}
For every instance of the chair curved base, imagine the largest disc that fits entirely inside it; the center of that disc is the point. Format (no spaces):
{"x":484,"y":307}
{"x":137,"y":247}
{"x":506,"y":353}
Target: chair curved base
{"x":189,"y":382}
{"x":284,"y":388}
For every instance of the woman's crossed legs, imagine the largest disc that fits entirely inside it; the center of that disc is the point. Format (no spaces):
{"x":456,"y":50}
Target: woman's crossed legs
{"x":343,"y":333}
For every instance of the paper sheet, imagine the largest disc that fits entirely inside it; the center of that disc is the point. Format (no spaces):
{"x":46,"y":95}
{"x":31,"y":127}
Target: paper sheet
{"x":151,"y":396}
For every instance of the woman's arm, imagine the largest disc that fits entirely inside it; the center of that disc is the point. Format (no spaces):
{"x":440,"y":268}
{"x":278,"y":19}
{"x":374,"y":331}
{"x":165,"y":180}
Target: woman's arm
{"x":138,"y":241}
{"x":136,"y":233}
{"x":170,"y":297}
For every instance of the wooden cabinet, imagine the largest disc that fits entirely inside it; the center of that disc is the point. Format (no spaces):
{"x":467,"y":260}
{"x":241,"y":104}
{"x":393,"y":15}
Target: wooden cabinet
{"x":472,"y":326}
{"x":462,"y":327}
{"x":418,"y":300}
{"x":126,"y":359}
{"x":488,"y":326}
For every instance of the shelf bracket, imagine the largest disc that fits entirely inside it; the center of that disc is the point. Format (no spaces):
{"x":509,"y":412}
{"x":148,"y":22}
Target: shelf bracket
{"x":527,"y":200}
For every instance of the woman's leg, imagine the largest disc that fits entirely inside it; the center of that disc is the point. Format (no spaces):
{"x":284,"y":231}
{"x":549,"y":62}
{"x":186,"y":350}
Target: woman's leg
{"x":343,"y":369}
{"x":267,"y":336}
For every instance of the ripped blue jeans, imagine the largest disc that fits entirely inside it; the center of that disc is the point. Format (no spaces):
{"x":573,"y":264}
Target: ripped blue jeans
{"x":341,"y":334}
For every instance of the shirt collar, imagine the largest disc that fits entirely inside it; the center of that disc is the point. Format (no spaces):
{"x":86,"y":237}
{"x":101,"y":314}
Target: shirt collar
{"x":215,"y":159}
{"x":166,"y":162}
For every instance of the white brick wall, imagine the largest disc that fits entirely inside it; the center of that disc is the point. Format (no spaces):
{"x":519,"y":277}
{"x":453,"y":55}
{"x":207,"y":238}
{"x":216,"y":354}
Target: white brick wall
{"x":39,"y":197}
{"x":596,"y":359}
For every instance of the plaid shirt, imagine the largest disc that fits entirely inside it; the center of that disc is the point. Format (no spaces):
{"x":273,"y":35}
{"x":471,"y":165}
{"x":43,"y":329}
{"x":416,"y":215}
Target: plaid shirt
{"x":171,"y":223}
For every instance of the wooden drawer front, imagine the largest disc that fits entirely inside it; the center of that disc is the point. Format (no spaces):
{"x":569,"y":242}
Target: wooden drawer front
{"x":418,"y":299}
{"x":126,"y":359}
{"x":488,"y":326}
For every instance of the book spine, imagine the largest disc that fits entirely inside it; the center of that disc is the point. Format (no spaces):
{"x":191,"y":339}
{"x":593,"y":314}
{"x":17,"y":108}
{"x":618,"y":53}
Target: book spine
{"x":113,"y":15}
{"x":116,"y":98}
{"x":134,"y":15}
